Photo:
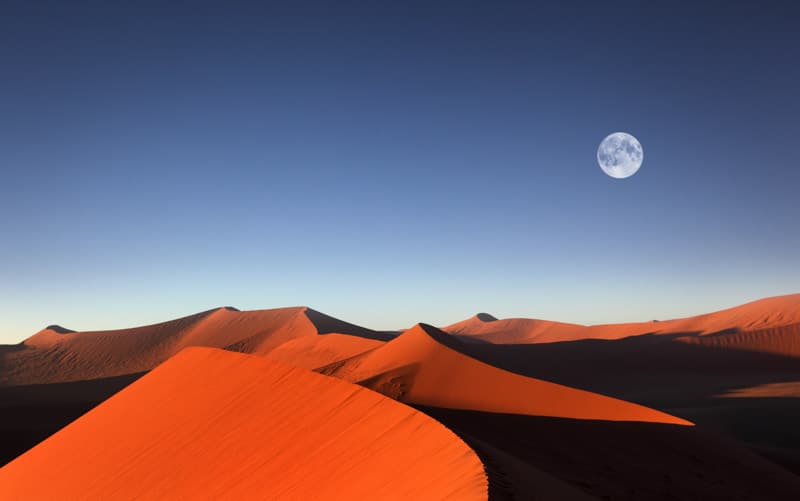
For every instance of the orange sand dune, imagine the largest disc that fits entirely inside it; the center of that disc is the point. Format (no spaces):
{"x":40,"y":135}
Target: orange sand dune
{"x":484,"y":327}
{"x":58,"y":355}
{"x":692,"y":372}
{"x":210,"y":424}
{"x":311,"y":352}
{"x":418,"y":367}
{"x":764,"y":314}
{"x":780,"y":340}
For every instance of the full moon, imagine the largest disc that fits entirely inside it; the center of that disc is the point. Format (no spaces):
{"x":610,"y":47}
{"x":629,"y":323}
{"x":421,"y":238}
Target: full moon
{"x":620,"y":155}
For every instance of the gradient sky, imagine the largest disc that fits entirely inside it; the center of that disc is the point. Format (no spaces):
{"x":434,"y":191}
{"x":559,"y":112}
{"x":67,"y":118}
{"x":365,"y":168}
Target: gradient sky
{"x":394,"y":162}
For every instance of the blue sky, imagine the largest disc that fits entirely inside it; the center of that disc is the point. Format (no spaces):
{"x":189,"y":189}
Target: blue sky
{"x":390,"y":163}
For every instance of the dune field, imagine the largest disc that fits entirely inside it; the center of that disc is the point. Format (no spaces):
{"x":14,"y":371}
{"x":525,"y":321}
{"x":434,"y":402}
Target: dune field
{"x":292,"y":403}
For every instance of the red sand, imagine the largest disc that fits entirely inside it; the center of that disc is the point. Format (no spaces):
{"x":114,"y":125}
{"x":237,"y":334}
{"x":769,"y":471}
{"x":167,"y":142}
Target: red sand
{"x":758,"y":315}
{"x":50,"y":356}
{"x":418,"y":368}
{"x":209,"y":424}
{"x":312,"y":352}
{"x":218,"y":424}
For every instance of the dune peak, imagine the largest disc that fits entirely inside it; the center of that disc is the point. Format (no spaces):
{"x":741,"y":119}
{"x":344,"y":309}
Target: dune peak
{"x":58,"y":329}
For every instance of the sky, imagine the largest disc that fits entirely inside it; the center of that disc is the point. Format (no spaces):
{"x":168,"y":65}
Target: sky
{"x":394,"y":162}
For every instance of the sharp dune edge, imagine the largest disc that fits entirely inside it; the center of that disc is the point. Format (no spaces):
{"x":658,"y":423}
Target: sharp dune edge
{"x":527,"y":396}
{"x":210,"y":424}
{"x":418,"y":368}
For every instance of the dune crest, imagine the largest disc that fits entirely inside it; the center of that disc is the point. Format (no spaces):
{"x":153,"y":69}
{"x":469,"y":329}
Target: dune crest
{"x":210,"y":424}
{"x":422,"y":367}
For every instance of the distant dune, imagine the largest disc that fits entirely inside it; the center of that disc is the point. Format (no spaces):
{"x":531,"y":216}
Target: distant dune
{"x":769,"y":313}
{"x":734,"y":371}
{"x":210,"y":424}
{"x":59,"y":355}
{"x":484,"y":327}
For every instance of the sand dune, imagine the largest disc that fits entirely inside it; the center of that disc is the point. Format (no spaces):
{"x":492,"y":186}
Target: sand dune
{"x":735,"y":372}
{"x":764,"y":314}
{"x":59,"y":355}
{"x":692,"y":369}
{"x":484,"y":327}
{"x":422,"y":367}
{"x":210,"y":424}
{"x":311,"y":352}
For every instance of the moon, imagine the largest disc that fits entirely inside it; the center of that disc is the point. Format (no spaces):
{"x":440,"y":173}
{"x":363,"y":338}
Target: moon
{"x":620,"y":155}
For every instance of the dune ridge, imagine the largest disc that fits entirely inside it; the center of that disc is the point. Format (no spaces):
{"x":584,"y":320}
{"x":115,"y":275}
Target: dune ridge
{"x":50,"y":356}
{"x":763,"y":314}
{"x":529,"y":397}
{"x":422,"y":367}
{"x":211,"y":424}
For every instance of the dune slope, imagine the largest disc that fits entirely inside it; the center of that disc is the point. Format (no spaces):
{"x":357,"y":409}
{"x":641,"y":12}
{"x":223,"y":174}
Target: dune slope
{"x":58,"y":355}
{"x":419,"y":367}
{"x":210,"y":424}
{"x":761,"y":315}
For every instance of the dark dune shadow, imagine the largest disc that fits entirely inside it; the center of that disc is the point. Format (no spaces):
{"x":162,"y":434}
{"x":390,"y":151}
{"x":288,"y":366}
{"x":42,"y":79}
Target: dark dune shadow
{"x":462,"y":344}
{"x":485,"y":317}
{"x":618,"y":460}
{"x":58,"y":329}
{"x":31,"y":413}
{"x":326,"y":324}
{"x":7,"y":353}
{"x":686,"y":379}
{"x":655,"y":368}
{"x":10,"y":348}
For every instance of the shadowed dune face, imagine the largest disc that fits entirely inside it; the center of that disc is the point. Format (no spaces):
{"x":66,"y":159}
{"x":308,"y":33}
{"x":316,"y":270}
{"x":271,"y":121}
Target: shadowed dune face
{"x":326,"y":324}
{"x":31,"y":413}
{"x":210,"y":424}
{"x":614,"y":460}
{"x":694,"y":377}
{"x":55,"y":356}
{"x":419,"y":367}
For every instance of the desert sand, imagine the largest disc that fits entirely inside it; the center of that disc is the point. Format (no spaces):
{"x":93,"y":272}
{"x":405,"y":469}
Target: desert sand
{"x":552,"y":410}
{"x":418,"y":367}
{"x":210,"y":424}
{"x":688,"y":367}
{"x":768,"y":313}
{"x":56,"y":354}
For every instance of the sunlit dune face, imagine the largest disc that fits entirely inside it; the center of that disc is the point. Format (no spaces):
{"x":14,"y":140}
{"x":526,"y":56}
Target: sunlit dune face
{"x":210,"y":424}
